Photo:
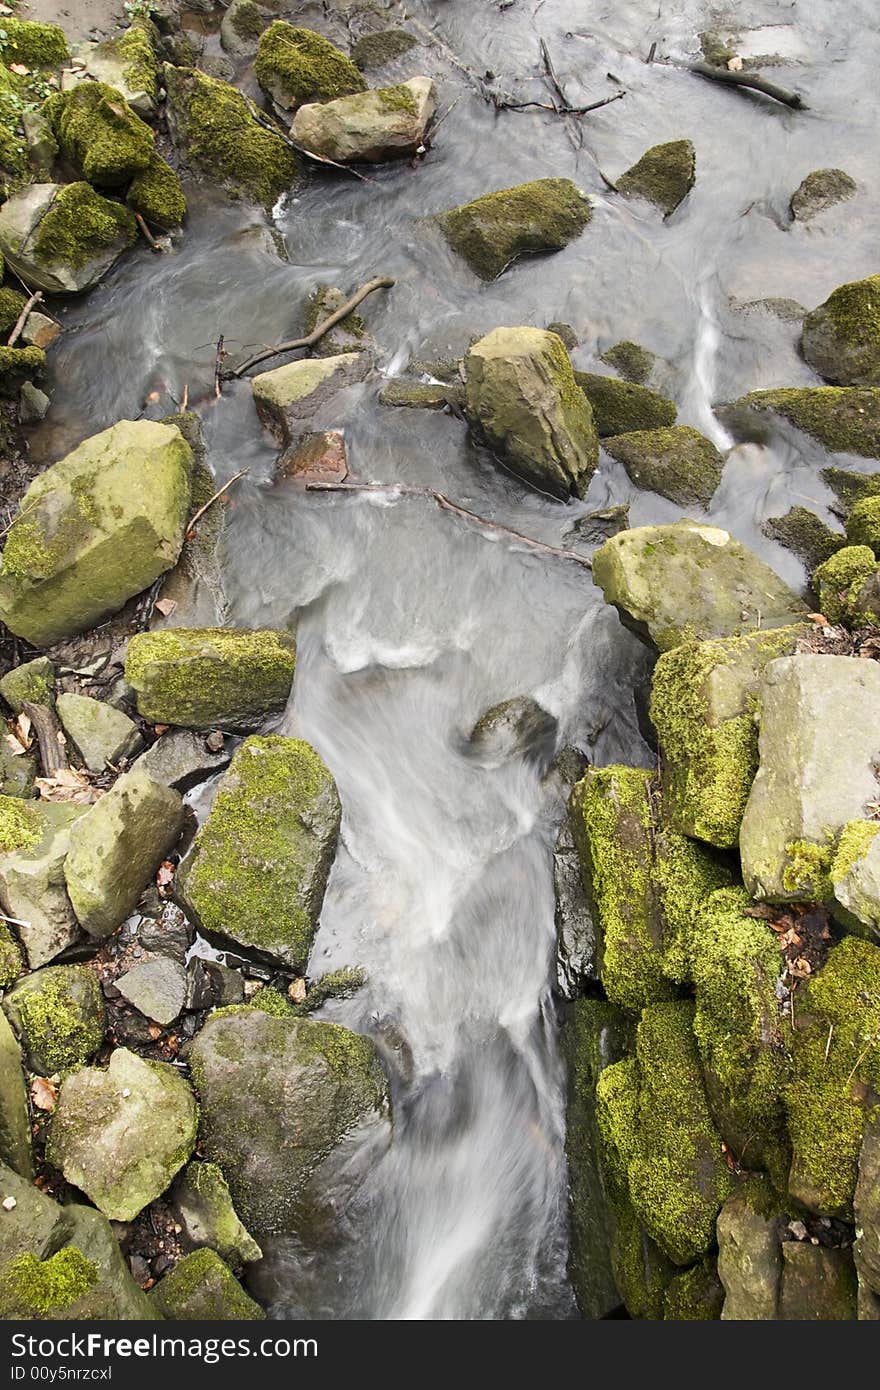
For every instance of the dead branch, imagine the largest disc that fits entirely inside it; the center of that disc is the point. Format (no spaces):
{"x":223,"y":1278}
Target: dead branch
{"x":270,"y":125}
{"x":382,"y":282}
{"x":739,"y":79}
{"x":552,"y":77}
{"x":446,"y":504}
{"x":147,"y":235}
{"x":36,"y":298}
{"x":50,"y":737}
{"x":219,"y":359}
{"x":505,"y":104}
{"x":197,"y":515}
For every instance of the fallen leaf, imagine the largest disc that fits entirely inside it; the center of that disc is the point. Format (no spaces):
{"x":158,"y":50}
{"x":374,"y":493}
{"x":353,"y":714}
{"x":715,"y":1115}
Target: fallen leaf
{"x":161,"y":729}
{"x":164,"y":873}
{"x":23,"y":727}
{"x":15,"y":748}
{"x":735,"y":64}
{"x":154,"y":396}
{"x":43,"y":1093}
{"x":19,"y":69}
{"x":166,"y":606}
{"x":297,"y":991}
{"x":154,"y":1031}
{"x":68,"y":785}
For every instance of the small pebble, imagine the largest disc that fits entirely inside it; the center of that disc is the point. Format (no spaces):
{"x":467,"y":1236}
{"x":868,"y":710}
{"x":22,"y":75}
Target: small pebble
{"x":9,"y":1204}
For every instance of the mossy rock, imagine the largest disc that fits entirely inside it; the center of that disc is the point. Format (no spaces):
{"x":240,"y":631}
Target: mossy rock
{"x":862,"y":526}
{"x":630,"y":360}
{"x":11,"y":961}
{"x":695,"y":1295}
{"x":203,"y":1205}
{"x":243,"y":23}
{"x":58,"y":1013}
{"x":202,"y":1288}
{"x":382,"y":46}
{"x":15,"y":1120}
{"x":11,"y":305}
{"x":838,"y":581}
{"x":17,"y":365}
{"x":663,"y":176}
{"x":850,"y":487}
{"x":844,"y":419}
{"x":841,"y":339}
{"x":33,"y":680}
{"x":349,"y":335}
{"x":208,"y":678}
{"x":128,"y":62}
{"x":368,"y":127}
{"x":620,"y":406}
{"x":417,"y":395}
{"x":294,"y":66}
{"x":820,"y":190}
{"x":157,"y":195}
{"x":805,"y":535}
{"x":818,"y":1284}
{"x":99,"y":134}
{"x":684,"y":874}
{"x":34,"y":841}
{"x":46,"y":1289}
{"x":37,"y":45}
{"x":90,"y":1231}
{"x":493,"y":231}
{"x":63,"y":239}
{"x":677,"y":462}
{"x":288,"y":398}
{"x":99,"y":734}
{"x":259,"y":866}
{"x":855,"y":879}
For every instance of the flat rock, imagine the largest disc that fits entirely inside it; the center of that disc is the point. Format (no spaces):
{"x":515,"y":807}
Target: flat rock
{"x":818,"y":1284}
{"x":32,"y":884}
{"x":210,"y":678}
{"x":663,"y":176}
{"x":368,"y":127}
{"x":157,"y":988}
{"x":819,"y":191}
{"x":493,"y":231}
{"x":100,"y":734}
{"x":750,"y":1256}
{"x":203,"y":1205}
{"x":315,"y":458}
{"x":289,"y":398}
{"x":63,"y":238}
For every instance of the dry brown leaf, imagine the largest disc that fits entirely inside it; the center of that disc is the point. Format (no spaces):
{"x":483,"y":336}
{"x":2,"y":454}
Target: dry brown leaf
{"x":20,"y":69}
{"x":164,"y":873}
{"x":297,"y":991}
{"x":154,"y":1031}
{"x":165,"y":606}
{"x":15,"y":748}
{"x":68,"y":785}
{"x":161,"y":729}
{"x":43,"y":1093}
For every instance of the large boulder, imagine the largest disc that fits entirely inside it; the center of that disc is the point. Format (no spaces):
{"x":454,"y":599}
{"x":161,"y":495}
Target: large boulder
{"x":522,"y":399}
{"x":289,"y":398}
{"x":116,"y":848}
{"x":95,"y":529}
{"x":677,"y":462}
{"x":63,"y":238}
{"x":277,"y":1096}
{"x":121,"y":1134}
{"x":202,"y":1288}
{"x":91,"y":1232}
{"x":15,"y":1122}
{"x":259,"y":866}
{"x":99,"y":733}
{"x":620,"y":406}
{"x":295,"y":66}
{"x":844,"y":419}
{"x":818,"y":749}
{"x":663,"y":176}
{"x":671,"y":583}
{"x":58,"y":1014}
{"x":841,"y":339}
{"x":99,"y":135}
{"x":203,"y":1206}
{"x":369,"y":127}
{"x":34,"y":840}
{"x":493,"y":231}
{"x":205,"y":678}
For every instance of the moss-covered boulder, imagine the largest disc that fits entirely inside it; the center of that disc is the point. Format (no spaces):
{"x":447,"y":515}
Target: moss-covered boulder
{"x":819,"y":191}
{"x":630,"y":360}
{"x":34,"y":1289}
{"x":202,"y":1288}
{"x":677,"y":462}
{"x":671,"y":583}
{"x":260,"y":863}
{"x":203,"y":1206}
{"x":99,"y":134}
{"x":703,"y":703}
{"x":277,"y":1096}
{"x":522,"y":399}
{"x":289,"y":398}
{"x":37,"y":45}
{"x":750,"y":1253}
{"x":493,"y":231}
{"x":855,"y":878}
{"x":205,"y":678}
{"x":217,"y":138}
{"x":116,"y":848}
{"x":620,"y":406}
{"x":15,"y":1121}
{"x":157,"y":195}
{"x":121,"y":1134}
{"x":63,"y":238}
{"x":805,"y":535}
{"x":841,"y":339}
{"x":127,"y":62}
{"x":838,"y":582}
{"x":95,"y":529}
{"x":58,"y":1013}
{"x":663,"y":176}
{"x":862,"y":525}
{"x":34,"y":840}
{"x":684,"y":874}
{"x":376,"y":49}
{"x":694,"y":1295}
{"x":368,"y":127}
{"x":33,"y":680}
{"x":295,"y":66}
{"x":844,"y":419}
{"x":99,"y":733}
{"x":817,"y":753}
{"x":243,"y":23}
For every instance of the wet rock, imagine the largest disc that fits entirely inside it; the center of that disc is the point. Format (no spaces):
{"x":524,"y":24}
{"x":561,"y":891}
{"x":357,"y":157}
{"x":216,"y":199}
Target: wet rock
{"x":818,"y":1284}
{"x":216,"y":136}
{"x":817,"y":747}
{"x":369,"y":127}
{"x":844,"y":419}
{"x":805,"y":535}
{"x":850,"y":487}
{"x":598,"y":526}
{"x":15,"y":1121}
{"x":157,"y":989}
{"x":315,"y":458}
{"x":203,"y":1206}
{"x":259,"y":866}
{"x":862,"y":525}
{"x":278,"y":1095}
{"x":517,"y":728}
{"x":99,"y":135}
{"x":841,"y":339}
{"x":91,"y":1232}
{"x":820,"y":190}
{"x":95,"y":529}
{"x":17,"y":773}
{"x":677,"y":462}
{"x":243,"y":23}
{"x":750,"y":1254}
{"x":288,"y":398}
{"x":42,"y":147}
{"x":702,"y":706}
{"x":11,"y":960}
{"x":855,"y":878}
{"x":663,"y":176}
{"x":866,"y":1209}
{"x":671,"y":583}
{"x":201,"y":1287}
{"x":182,"y":759}
{"x":619,"y":406}
{"x":576,"y":945}
{"x":157,"y":195}
{"x":786,"y":310}
{"x":170,"y":934}
{"x":840,"y":581}
{"x":120,"y":1135}
{"x":631,"y":361}
{"x":35,"y":1225}
{"x":126,"y":63}
{"x":686,"y":878}
{"x":116,"y":848}
{"x":421,"y":395}
{"x":100,"y":734}
{"x":491,"y":232}
{"x":58,"y":1014}
{"x":209,"y":678}
{"x":349,"y":335}
{"x":32,"y":886}
{"x":33,"y":404}
{"x":295,"y":66}
{"x":195,"y":585}
{"x":34,"y":680}
{"x":40,"y":330}
{"x":377,"y":49}
{"x":522,"y":398}
{"x":63,"y":239}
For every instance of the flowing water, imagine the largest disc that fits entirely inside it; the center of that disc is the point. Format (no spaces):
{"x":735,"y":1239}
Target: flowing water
{"x":411,"y":623}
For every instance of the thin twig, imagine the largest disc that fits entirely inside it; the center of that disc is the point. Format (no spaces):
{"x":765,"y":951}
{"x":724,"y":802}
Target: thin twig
{"x":739,"y":79}
{"x":269,"y":125}
{"x":16,"y":921}
{"x":36,"y":298}
{"x":444,"y":502}
{"x":184,"y":398}
{"x":552,"y":77}
{"x":151,"y":241}
{"x":197,"y":515}
{"x":872,"y":1042}
{"x":219,"y":358}
{"x":382,"y":282}
{"x":828,"y":1043}
{"x":22,"y":511}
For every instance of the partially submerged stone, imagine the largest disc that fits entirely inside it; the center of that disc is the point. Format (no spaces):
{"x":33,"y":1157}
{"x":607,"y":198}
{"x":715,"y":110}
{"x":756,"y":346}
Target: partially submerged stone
{"x":630,"y":360}
{"x":349,"y":335}
{"x":844,"y":419}
{"x":63,"y":238}
{"x":116,"y":848}
{"x":203,"y":1205}
{"x":491,"y":232}
{"x":99,"y":135}
{"x":805,"y":535}
{"x":33,"y":847}
{"x":516,"y":728}
{"x":156,"y":988}
{"x":369,"y":127}
{"x":288,"y":398}
{"x":841,"y":339}
{"x":259,"y":866}
{"x":677,"y":462}
{"x":58,"y":1013}
{"x":663,"y":176}
{"x":598,"y":526}
{"x":376,"y":49}
{"x":202,"y":1288}
{"x":850,"y":487}
{"x":100,"y":734}
{"x":855,"y":878}
{"x":15,"y":1120}
{"x":522,"y":398}
{"x":295,"y":66}
{"x":156,"y":194}
{"x":619,"y":406}
{"x":33,"y":680}
{"x":818,"y":749}
{"x":417,"y":395}
{"x":121,"y":1134}
{"x":208,"y":678}
{"x":838,"y":581}
{"x":820,"y":190}
{"x":195,"y":586}
{"x":750,"y":1253}
{"x":670,"y":583}
{"x":95,"y":529}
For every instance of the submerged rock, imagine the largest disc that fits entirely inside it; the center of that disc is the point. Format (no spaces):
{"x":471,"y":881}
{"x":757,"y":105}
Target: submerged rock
{"x":315,"y":458}
{"x":99,"y":135}
{"x":820,"y":190}
{"x":844,"y":419}
{"x":100,"y":734}
{"x":369,"y":127}
{"x":295,"y":66}
{"x":15,"y":1120}
{"x":522,"y":398}
{"x":515,"y":728}
{"x":288,"y":398}
{"x":202,"y":1288}
{"x":34,"y":840}
{"x":377,"y":49}
{"x":491,"y":232}
{"x":630,"y":360}
{"x":841,"y":339}
{"x":205,"y":678}
{"x":619,"y":406}
{"x":58,"y":1013}
{"x":203,"y":1205}
{"x":671,"y":583}
{"x":664,"y":175}
{"x":677,"y":462}
{"x":598,"y":526}
{"x":259,"y":866}
{"x":805,"y":535}
{"x":63,"y":238}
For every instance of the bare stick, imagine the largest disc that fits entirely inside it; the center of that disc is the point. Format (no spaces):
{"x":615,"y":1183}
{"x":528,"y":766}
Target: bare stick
{"x":197,"y":515}
{"x":16,"y":921}
{"x":382,"y":282}
{"x":503,"y":104}
{"x":36,"y":298}
{"x":219,"y":357}
{"x":47,"y":728}
{"x":401,"y":490}
{"x":151,"y":241}
{"x":740,"y":79}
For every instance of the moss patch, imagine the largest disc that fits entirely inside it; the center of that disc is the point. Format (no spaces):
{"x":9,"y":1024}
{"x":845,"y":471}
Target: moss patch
{"x":492,"y":231}
{"x":805,"y":535}
{"x":863,"y":524}
{"x":59,"y":1015}
{"x":295,"y":66}
{"x":664,"y":175}
{"x":684,"y":875}
{"x":157,"y":195}
{"x":11,"y":305}
{"x":677,"y":462}
{"x":695,"y":1295}
{"x":137,"y":48}
{"x":839,"y":579}
{"x":43,"y":1289}
{"x":80,"y":225}
{"x":620,"y":406}
{"x":16,"y":364}
{"x":202,"y":1287}
{"x":37,"y":45}
{"x":375,"y":50}
{"x":205,"y":677}
{"x":630,"y":360}
{"x":845,"y":419}
{"x":99,"y":134}
{"x":20,"y":825}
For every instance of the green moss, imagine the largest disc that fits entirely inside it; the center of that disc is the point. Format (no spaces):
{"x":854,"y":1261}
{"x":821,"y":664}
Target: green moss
{"x":492,"y":231}
{"x":676,"y":461}
{"x":855,"y":840}
{"x":157,"y":195}
{"x":297,"y":66}
{"x":11,"y":961}
{"x":398,"y":98}
{"x":247,"y":19}
{"x":11,"y":305}
{"x":34,"y":680}
{"x":41,"y":1289}
{"x":842,"y":337}
{"x":849,"y":488}
{"x":845,"y":419}
{"x":272,"y":1001}
{"x":807,"y":870}
{"x":664,"y":175}
{"x":836,"y":1076}
{"x":634,"y":363}
{"x":803,"y":533}
{"x":863,"y":524}
{"x":620,"y":406}
{"x":695,"y":1295}
{"x":336,"y":984}
{"x":59,"y":1013}
{"x":201,"y":1287}
{"x":81,"y":225}
{"x":684,"y":875}
{"x":17,"y":363}
{"x":20,"y":827}
{"x":375,"y":50}
{"x":99,"y":134}
{"x":37,"y":45}
{"x":137,"y":49}
{"x":201,"y":677}
{"x":839,"y":579}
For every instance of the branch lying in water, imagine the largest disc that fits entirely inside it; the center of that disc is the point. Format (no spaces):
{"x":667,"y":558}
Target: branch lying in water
{"x":401,"y":490}
{"x":382,"y":282}
{"x":740,"y":79}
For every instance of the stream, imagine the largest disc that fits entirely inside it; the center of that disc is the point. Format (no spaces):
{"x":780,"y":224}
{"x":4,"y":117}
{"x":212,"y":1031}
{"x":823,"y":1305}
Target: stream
{"x":412,"y":623}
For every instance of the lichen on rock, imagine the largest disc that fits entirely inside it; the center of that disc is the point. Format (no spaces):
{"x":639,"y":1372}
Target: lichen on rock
{"x":841,"y":338}
{"x":294,"y":66}
{"x":157,"y":195}
{"x":205,"y":678}
{"x":664,"y":175}
{"x":620,"y":406}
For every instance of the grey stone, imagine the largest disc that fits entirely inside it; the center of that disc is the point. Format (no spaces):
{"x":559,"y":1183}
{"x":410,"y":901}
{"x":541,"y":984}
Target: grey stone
{"x":17,"y":773}
{"x":749,"y":1259}
{"x":33,"y":404}
{"x":368,"y":127}
{"x":20,"y":219}
{"x":32,"y":883}
{"x":818,"y":1284}
{"x":517,"y":728}
{"x":157,"y":989}
{"x":577,"y":951}
{"x":867,"y":1209}
{"x":841,"y":339}
{"x":203,"y":1205}
{"x":180,"y":758}
{"x":289,"y":399}
{"x":101,"y":734}
{"x":34,"y":1225}
{"x":15,"y":1125}
{"x":91,"y":1232}
{"x":820,"y":190}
